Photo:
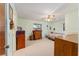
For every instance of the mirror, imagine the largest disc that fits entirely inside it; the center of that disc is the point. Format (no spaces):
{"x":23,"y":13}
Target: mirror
{"x":37,"y":26}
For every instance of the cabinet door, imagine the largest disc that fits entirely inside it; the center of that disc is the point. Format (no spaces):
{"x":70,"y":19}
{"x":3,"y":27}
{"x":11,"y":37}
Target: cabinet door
{"x":58,"y":47}
{"x":20,"y":41}
{"x":65,"y":48}
{"x":37,"y":35}
{"x":70,"y":49}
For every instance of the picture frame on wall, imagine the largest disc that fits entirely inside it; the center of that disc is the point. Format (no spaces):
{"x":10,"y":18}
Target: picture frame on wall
{"x":64,"y":27}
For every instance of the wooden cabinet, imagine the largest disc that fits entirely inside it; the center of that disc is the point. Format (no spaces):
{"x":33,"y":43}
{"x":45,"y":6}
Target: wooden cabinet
{"x":20,"y":39}
{"x":37,"y":34}
{"x":65,"y":48}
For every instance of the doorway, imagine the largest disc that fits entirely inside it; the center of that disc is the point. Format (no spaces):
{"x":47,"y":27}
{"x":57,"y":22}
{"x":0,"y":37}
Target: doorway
{"x":2,"y":29}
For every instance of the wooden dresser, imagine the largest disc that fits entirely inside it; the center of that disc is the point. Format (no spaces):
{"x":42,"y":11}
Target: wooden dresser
{"x":65,"y":48}
{"x":37,"y":34}
{"x":20,"y":39}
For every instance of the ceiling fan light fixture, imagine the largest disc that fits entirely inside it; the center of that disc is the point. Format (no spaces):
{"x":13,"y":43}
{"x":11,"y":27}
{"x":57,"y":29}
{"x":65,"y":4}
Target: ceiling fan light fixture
{"x":50,"y":18}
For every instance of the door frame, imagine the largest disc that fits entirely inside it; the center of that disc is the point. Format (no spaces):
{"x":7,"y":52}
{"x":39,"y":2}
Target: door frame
{"x":8,"y":46}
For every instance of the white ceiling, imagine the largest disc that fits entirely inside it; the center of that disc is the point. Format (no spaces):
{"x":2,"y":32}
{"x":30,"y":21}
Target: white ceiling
{"x":36,"y":11}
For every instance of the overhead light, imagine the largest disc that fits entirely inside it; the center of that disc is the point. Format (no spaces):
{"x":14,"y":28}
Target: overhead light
{"x":48,"y":20}
{"x":50,"y":17}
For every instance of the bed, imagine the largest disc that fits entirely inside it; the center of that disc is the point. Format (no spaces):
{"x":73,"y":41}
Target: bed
{"x":44,"y":47}
{"x":53,"y":35}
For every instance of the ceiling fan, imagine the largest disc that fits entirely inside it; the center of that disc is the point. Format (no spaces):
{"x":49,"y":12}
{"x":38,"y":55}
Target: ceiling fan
{"x":49,"y":17}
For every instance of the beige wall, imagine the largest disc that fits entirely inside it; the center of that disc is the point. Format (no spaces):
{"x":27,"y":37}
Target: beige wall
{"x":71,"y":23}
